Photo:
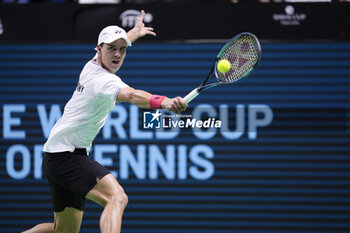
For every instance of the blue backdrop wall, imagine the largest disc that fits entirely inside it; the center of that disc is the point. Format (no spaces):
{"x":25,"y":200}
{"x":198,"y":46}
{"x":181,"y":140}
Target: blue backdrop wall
{"x":280,"y":163}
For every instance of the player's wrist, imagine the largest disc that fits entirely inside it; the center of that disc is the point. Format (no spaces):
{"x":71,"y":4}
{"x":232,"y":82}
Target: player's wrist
{"x":155,"y":102}
{"x":163,"y":103}
{"x":133,"y":34}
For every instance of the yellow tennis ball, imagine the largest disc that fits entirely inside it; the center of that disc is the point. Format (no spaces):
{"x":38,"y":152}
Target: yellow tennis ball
{"x":224,"y":65}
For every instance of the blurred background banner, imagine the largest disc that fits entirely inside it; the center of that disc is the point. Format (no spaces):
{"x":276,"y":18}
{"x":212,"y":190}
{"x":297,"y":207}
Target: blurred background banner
{"x":280,"y":163}
{"x":177,"y":21}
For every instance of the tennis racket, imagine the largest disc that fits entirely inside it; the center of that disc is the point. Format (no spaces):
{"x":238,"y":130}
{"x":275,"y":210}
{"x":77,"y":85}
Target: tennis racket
{"x":243,"y":52}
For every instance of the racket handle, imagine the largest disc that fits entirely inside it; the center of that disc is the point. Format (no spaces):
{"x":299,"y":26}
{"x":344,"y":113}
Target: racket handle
{"x":190,"y":96}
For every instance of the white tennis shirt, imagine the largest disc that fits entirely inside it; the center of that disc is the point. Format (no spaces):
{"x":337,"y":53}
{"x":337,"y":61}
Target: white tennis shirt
{"x":86,"y":112}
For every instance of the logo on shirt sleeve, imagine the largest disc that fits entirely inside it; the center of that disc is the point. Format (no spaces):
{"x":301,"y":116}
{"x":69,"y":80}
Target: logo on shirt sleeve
{"x":79,"y":88}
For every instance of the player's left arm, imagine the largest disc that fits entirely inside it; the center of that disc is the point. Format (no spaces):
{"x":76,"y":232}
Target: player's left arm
{"x":140,"y":30}
{"x":142,"y":99}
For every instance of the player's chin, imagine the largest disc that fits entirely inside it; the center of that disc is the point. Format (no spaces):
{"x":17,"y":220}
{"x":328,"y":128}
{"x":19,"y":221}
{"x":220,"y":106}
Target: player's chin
{"x":115,"y":67}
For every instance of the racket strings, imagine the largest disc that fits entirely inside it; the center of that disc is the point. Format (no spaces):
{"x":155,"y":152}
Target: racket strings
{"x":243,"y":54}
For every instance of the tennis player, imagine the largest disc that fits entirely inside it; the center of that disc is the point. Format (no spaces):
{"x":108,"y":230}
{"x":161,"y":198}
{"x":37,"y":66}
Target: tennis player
{"x":72,"y":175}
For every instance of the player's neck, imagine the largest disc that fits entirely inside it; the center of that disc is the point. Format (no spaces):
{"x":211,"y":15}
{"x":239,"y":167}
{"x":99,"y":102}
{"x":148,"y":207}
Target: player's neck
{"x":98,"y":60}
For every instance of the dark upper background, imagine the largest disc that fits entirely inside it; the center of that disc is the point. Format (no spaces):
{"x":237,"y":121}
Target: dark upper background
{"x":47,"y":22}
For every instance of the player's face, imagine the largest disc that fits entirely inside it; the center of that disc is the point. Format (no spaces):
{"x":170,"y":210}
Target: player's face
{"x":113,"y":54}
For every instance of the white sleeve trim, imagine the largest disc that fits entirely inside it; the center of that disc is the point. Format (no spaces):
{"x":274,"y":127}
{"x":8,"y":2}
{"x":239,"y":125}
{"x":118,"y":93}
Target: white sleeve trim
{"x":116,"y":95}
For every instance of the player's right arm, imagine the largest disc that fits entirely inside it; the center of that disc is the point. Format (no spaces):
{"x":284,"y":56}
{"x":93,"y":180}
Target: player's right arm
{"x":142,"y":99}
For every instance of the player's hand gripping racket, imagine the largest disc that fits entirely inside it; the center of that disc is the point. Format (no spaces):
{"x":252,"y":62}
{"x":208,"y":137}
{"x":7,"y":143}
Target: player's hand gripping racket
{"x":243,"y":52}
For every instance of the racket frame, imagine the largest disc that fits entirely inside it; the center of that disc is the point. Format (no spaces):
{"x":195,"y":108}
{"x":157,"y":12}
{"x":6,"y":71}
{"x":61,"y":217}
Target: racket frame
{"x":203,"y":86}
